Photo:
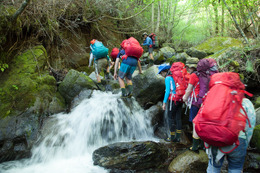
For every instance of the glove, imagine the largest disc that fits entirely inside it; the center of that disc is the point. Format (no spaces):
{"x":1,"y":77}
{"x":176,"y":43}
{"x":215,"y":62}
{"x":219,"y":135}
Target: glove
{"x":150,"y":46}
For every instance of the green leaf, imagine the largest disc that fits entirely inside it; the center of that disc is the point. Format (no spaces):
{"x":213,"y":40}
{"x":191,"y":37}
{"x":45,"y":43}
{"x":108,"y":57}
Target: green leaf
{"x":249,"y":66}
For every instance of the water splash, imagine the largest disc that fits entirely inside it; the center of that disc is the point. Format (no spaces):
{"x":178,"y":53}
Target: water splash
{"x":68,"y":141}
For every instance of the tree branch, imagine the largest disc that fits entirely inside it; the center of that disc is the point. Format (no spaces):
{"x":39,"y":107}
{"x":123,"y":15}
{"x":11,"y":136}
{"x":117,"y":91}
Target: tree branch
{"x":116,"y":18}
{"x":20,"y":10}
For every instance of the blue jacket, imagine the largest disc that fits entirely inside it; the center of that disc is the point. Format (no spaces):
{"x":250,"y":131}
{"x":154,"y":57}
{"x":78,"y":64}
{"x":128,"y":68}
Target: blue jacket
{"x":169,"y":87}
{"x":148,"y":41}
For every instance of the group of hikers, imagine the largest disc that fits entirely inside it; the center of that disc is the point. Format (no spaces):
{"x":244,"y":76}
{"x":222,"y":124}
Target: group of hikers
{"x":223,"y":119}
{"x":129,"y":53}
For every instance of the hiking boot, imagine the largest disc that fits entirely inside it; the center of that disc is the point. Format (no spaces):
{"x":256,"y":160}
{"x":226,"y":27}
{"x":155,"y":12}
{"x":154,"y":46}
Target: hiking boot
{"x":130,"y":90}
{"x":171,"y":138}
{"x":101,"y":87}
{"x":195,"y":144}
{"x":123,"y":96}
{"x":177,"y":137}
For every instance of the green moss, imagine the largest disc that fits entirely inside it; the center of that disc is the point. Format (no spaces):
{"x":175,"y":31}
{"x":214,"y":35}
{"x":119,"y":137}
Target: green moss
{"x":27,"y":73}
{"x":256,"y":138}
{"x":171,"y":60}
{"x":216,"y":44}
{"x":257,"y":102}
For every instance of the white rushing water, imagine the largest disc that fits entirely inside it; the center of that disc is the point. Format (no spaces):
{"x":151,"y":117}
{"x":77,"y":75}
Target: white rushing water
{"x":67,"y":145}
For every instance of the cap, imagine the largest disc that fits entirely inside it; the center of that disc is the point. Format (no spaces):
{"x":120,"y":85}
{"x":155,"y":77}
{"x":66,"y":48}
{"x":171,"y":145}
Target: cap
{"x":163,"y":67}
{"x":92,"y":41}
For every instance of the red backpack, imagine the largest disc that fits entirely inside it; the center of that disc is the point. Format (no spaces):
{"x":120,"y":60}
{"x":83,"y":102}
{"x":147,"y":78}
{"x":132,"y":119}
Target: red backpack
{"x":181,"y":78}
{"x":114,"y":53}
{"x":219,"y":119}
{"x":132,"y":48}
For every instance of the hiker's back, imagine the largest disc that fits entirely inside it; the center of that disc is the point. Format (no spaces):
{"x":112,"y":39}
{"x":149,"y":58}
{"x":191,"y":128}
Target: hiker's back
{"x":99,"y":50}
{"x":219,"y":120}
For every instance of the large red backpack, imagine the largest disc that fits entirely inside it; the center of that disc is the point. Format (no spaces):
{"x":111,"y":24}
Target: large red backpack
{"x":181,"y":78}
{"x":132,"y":48}
{"x":220,"y":119}
{"x":114,"y":53}
{"x":154,"y":38}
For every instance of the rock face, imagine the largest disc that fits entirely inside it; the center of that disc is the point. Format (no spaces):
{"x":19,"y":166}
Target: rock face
{"x":74,"y":83}
{"x":131,"y":155}
{"x":189,"y":162}
{"x":27,"y":95}
{"x":148,"y":87}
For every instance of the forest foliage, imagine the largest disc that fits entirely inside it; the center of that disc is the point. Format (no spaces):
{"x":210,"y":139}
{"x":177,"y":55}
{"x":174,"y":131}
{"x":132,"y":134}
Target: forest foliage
{"x":184,"y":23}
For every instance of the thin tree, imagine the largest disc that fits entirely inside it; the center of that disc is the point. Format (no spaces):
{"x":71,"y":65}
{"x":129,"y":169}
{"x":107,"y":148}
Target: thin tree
{"x":236,"y":23}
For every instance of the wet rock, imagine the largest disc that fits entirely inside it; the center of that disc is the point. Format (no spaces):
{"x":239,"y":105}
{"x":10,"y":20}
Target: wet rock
{"x":189,"y":162}
{"x":252,"y":162}
{"x":131,"y":155}
{"x":17,"y":135}
{"x":73,"y":84}
{"x":148,"y":87}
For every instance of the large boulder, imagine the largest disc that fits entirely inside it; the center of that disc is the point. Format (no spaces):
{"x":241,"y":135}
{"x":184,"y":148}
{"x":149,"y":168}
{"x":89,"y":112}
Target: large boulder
{"x":193,"y":52}
{"x":27,"y":95}
{"x":131,"y":155}
{"x":74,"y":83}
{"x":148,"y":87}
{"x":167,"y":52}
{"x":257,"y":116}
{"x":216,"y":44}
{"x":189,"y":162}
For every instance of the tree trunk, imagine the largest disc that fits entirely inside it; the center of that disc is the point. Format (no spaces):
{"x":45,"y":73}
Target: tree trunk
{"x":222,"y":19}
{"x":215,"y":7}
{"x":152,"y":17}
{"x":236,"y":24}
{"x":209,"y":20}
{"x":157,"y":30}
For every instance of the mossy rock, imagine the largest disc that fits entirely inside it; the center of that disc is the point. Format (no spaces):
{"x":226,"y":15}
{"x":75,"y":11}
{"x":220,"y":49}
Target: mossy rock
{"x":171,"y":60}
{"x":74,"y":83}
{"x":256,"y":138}
{"x":216,"y":44}
{"x":27,"y":83}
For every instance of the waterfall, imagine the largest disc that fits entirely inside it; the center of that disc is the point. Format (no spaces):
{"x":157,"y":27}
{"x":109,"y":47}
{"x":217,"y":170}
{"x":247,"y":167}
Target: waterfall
{"x":67,"y":143}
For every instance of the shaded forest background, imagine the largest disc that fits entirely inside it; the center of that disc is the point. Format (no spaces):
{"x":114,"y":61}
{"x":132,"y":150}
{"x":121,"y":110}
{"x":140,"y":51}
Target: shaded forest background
{"x":65,"y":27}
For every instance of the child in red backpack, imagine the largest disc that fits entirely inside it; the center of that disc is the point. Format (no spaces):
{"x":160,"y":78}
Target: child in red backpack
{"x":191,"y":97}
{"x":174,"y":107}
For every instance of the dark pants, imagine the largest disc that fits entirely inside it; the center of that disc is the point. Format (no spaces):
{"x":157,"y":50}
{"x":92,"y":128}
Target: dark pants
{"x":174,"y":116}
